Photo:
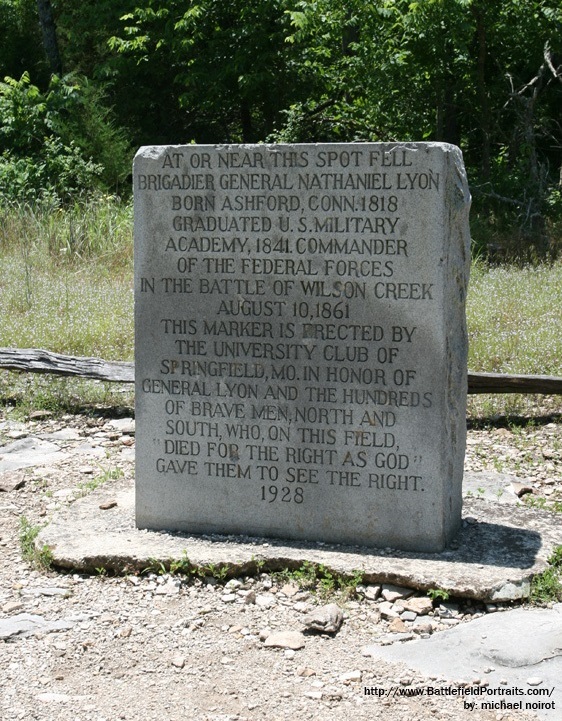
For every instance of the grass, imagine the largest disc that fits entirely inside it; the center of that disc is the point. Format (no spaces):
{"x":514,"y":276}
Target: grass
{"x":550,"y":504}
{"x":109,"y":474}
{"x":547,"y":586}
{"x":513,"y":318}
{"x":23,"y":393}
{"x":40,"y":558}
{"x":67,"y":286}
{"x":318,"y":579}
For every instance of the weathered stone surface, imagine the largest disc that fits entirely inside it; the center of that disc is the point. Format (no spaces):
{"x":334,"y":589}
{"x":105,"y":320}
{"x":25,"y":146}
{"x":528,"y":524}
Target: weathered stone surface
{"x":496,"y":487}
{"x":300,"y":341}
{"x":29,"y":451}
{"x":494,"y":558}
{"x":28,"y":624}
{"x":507,"y":649}
{"x":397,"y":625}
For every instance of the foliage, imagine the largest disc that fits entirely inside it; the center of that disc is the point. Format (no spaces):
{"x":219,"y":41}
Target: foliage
{"x":438,"y":594}
{"x":59,"y":144}
{"x":483,"y":76}
{"x":184,"y":567}
{"x":320,"y":580}
{"x":20,"y":40}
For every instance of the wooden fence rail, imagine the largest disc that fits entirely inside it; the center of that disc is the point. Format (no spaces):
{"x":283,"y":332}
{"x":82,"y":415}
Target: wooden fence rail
{"x":32,"y":360}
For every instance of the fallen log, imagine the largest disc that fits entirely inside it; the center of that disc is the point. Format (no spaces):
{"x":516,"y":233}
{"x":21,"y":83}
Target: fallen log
{"x":509,"y":383}
{"x":33,"y":360}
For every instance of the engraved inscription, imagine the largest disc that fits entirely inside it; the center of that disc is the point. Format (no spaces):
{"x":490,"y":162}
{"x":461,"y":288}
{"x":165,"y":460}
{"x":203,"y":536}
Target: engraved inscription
{"x":287,"y":291}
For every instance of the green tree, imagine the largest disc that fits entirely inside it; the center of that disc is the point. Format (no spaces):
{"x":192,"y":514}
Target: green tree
{"x":226,"y":64}
{"x":21,"y":46}
{"x":485,"y":76}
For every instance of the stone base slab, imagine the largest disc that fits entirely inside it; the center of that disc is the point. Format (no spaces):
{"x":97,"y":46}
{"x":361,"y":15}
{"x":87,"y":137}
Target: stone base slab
{"x":493,"y":558}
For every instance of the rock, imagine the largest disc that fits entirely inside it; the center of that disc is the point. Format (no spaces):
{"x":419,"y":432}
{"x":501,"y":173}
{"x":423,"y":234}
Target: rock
{"x":289,"y":590}
{"x":326,"y":619}
{"x":39,"y":415}
{"x":285,"y":639}
{"x":534,"y":681}
{"x":53,"y":697}
{"x":408,"y":616}
{"x":448,"y":610}
{"x":107,"y":505}
{"x":372,"y":592}
{"x":123,"y":425}
{"x":47,"y":591}
{"x":302,"y":607}
{"x":171,"y":587}
{"x":11,"y":482}
{"x":397,"y":626}
{"x":521,"y":489}
{"x":350,"y":676}
{"x":392,"y":593}
{"x":64,"y":434}
{"x":178,"y":661}
{"x":388,"y":610}
{"x":264,"y":633}
{"x":391,"y":638}
{"x":477,"y":570}
{"x":12,"y":606}
{"x":421,"y":605}
{"x":305,"y":671}
{"x":423,"y":626}
{"x":27,"y":624}
{"x":513,"y":643}
{"x":265,"y":600}
{"x":16,"y":435}
{"x":234,"y":584}
{"x":316,"y":695}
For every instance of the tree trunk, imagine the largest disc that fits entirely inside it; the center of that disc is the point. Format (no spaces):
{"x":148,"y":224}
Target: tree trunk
{"x":483,"y":92}
{"x":246,"y":122}
{"x":48,"y":29}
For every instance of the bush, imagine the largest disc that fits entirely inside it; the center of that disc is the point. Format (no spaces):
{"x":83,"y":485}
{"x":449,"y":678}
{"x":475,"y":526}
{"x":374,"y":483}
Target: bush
{"x":57,"y":145}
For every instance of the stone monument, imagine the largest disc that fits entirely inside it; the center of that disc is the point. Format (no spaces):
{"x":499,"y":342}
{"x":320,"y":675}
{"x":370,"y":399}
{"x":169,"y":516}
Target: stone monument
{"x":301,"y":344}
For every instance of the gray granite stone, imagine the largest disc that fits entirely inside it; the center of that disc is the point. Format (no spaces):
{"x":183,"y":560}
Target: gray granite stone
{"x":300,"y":341}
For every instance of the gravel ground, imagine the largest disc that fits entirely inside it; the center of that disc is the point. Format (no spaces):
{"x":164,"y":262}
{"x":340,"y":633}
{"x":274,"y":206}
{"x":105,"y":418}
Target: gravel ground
{"x":167,"y":648}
